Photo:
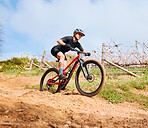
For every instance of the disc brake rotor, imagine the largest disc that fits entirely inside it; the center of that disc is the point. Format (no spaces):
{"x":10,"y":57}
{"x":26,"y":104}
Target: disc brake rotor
{"x":92,"y":78}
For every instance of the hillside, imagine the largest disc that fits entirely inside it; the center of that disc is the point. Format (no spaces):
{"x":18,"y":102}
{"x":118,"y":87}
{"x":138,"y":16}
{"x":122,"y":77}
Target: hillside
{"x":23,"y":107}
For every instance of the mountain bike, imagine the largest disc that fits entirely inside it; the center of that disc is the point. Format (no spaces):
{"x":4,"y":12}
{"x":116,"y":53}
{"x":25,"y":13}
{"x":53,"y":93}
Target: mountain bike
{"x":89,"y":78}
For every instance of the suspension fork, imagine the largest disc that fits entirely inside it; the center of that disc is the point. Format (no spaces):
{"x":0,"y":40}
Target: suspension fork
{"x":81,"y":65}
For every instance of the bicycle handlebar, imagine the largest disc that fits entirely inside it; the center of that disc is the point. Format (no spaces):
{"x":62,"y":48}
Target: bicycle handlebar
{"x":73,"y":49}
{"x":78,"y":51}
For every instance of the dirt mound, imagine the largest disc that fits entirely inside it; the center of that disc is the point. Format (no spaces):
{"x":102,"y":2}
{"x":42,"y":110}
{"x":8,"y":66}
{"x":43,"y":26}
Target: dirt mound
{"x":21,"y":107}
{"x":18,"y":114}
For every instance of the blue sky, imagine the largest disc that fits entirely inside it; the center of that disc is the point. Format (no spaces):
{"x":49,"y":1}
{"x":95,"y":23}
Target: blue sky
{"x":31,"y":26}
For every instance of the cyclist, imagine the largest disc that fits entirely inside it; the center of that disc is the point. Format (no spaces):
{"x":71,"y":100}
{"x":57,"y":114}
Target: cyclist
{"x":64,"y":46}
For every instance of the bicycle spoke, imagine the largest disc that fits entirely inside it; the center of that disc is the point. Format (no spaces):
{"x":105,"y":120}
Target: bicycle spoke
{"x":92,"y":83}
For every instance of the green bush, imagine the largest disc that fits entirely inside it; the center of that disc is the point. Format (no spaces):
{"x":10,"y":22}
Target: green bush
{"x":17,"y":61}
{"x":36,"y":61}
{"x":14,"y":65}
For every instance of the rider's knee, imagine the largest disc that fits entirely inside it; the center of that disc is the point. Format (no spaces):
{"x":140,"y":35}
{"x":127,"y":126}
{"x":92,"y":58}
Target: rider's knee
{"x":61,"y":56}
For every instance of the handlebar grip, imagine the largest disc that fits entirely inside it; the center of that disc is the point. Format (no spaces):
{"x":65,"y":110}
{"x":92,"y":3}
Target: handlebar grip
{"x":88,"y":54}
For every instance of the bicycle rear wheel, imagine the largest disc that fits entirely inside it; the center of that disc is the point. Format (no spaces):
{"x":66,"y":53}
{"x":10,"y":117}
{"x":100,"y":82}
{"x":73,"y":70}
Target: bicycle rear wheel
{"x":46,"y":82}
{"x":95,"y":81}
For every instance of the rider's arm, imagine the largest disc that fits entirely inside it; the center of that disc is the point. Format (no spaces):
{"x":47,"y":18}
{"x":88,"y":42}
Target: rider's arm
{"x":84,"y":51}
{"x":61,"y":42}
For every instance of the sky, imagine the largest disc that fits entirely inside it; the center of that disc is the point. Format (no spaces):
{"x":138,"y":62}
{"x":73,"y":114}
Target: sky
{"x":30,"y":26}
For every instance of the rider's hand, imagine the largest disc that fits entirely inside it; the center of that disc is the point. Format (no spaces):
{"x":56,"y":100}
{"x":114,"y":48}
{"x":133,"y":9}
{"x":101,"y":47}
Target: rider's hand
{"x":88,"y":54}
{"x":67,"y":46}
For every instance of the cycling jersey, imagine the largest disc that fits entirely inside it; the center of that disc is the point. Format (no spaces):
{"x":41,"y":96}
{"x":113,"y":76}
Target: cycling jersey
{"x":63,"y":49}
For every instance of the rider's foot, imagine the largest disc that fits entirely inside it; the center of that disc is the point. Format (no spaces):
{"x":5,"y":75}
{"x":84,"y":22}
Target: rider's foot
{"x":62,"y":77}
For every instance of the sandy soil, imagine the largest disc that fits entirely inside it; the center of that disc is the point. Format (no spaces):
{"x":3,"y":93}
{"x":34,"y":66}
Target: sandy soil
{"x":30,"y":108}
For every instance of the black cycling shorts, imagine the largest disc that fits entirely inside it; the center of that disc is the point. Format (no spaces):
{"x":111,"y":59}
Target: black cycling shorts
{"x":54,"y":52}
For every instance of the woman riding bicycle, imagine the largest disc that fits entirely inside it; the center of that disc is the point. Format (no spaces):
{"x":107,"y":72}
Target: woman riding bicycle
{"x":64,"y":46}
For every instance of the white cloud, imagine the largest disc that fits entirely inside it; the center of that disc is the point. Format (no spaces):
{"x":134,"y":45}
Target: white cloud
{"x":102,"y":20}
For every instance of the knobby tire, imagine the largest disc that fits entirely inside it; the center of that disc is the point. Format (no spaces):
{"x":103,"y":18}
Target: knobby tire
{"x":97,"y":82}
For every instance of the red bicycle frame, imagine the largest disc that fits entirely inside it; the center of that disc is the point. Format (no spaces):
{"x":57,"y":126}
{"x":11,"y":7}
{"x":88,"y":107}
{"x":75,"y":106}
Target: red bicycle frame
{"x":65,"y":73}
{"x":76,"y":59}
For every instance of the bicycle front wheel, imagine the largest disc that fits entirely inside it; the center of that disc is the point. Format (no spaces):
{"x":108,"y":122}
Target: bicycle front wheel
{"x":48,"y":80}
{"x":94,"y":81}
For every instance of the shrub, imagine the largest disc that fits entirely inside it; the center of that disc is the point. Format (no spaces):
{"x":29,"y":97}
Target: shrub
{"x":14,"y":65}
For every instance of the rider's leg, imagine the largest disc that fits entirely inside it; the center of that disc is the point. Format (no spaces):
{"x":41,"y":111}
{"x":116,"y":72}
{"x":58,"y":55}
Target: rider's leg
{"x":61,"y":58}
{"x":65,"y":64}
{"x":61,"y":63}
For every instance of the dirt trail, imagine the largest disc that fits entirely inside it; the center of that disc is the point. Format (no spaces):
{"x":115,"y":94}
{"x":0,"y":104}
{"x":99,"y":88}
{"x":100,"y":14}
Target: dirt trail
{"x":30,"y":108}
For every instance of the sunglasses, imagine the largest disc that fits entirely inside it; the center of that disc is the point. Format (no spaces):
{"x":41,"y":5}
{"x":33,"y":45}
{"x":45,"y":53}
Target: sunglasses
{"x":80,"y":34}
